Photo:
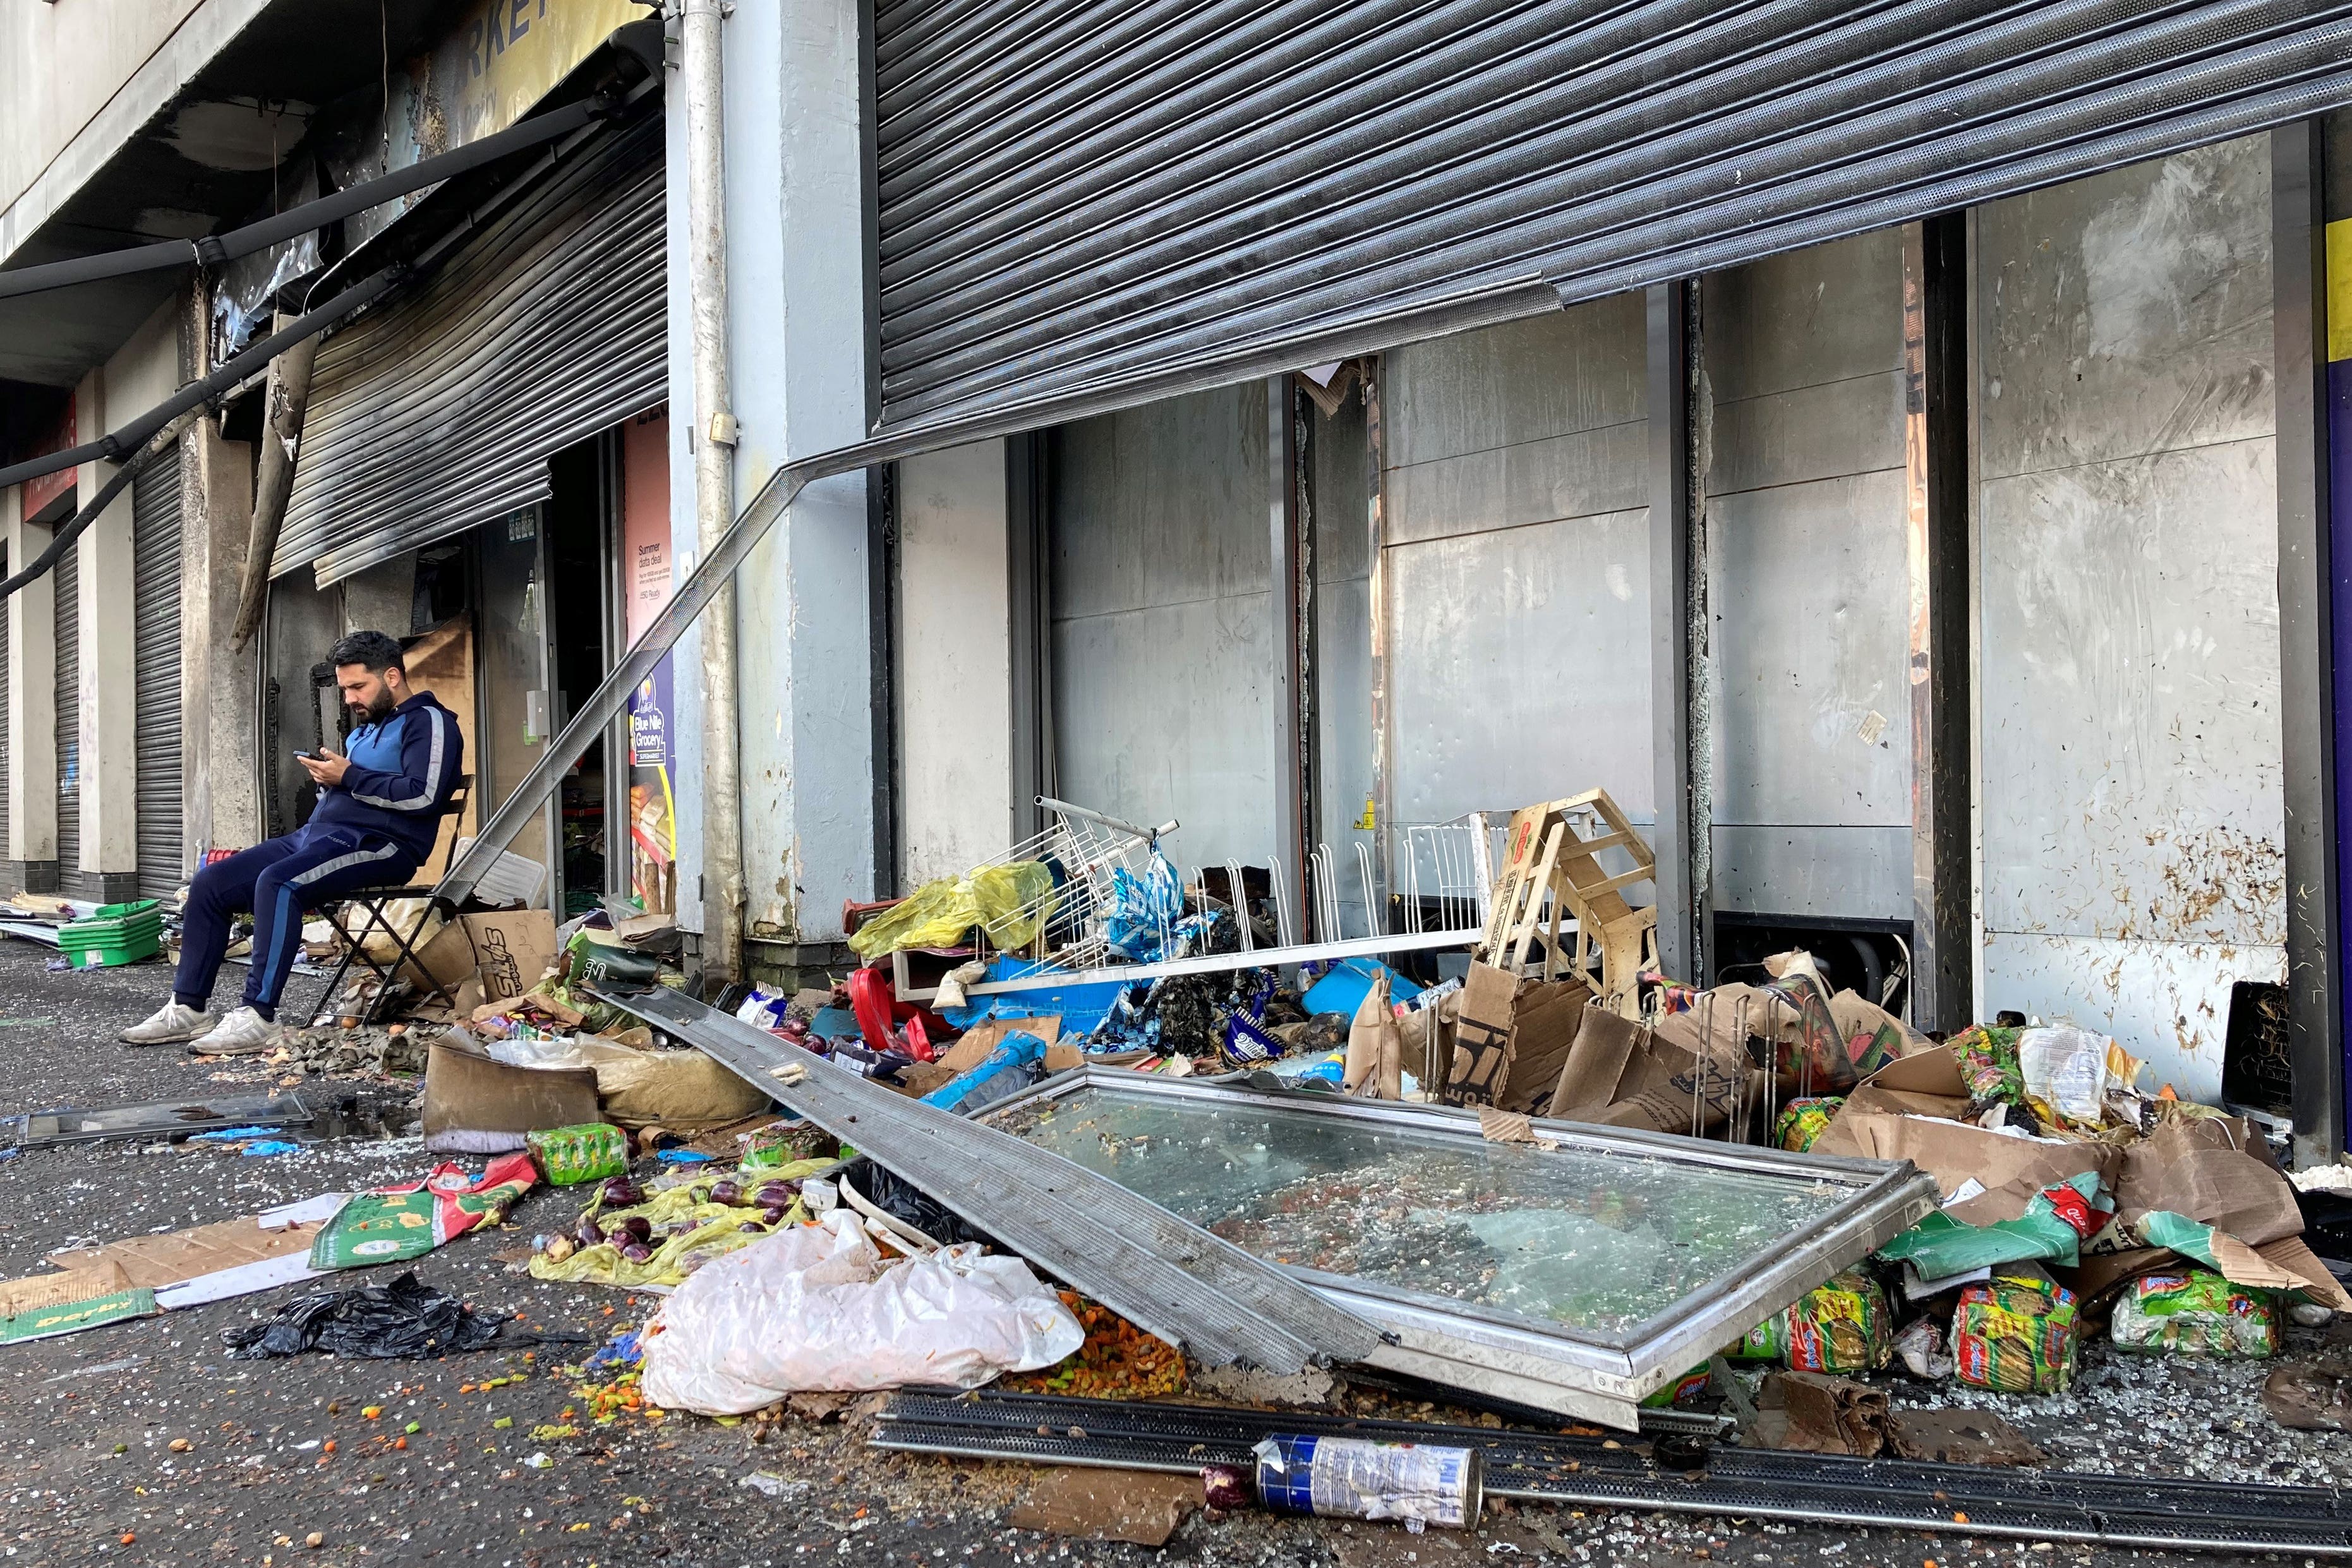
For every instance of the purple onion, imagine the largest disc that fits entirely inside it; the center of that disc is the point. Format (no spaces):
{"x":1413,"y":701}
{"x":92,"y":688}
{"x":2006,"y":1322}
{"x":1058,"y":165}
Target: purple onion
{"x":1225,"y":1487}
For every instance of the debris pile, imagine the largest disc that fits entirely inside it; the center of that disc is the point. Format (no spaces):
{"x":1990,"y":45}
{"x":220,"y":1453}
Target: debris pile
{"x":1174,"y":1191}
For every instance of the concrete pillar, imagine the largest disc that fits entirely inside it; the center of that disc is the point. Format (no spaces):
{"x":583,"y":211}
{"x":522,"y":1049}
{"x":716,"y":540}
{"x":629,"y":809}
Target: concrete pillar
{"x":955,"y":661}
{"x":138,"y":376}
{"x":797,"y":302}
{"x":32,"y":847}
{"x":219,"y":738}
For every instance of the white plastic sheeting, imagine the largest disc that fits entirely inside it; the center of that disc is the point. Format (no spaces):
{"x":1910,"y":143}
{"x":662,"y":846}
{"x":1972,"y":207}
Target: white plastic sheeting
{"x":819,"y":1307}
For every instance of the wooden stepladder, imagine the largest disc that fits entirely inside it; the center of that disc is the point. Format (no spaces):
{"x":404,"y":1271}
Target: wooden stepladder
{"x":1551,"y":876}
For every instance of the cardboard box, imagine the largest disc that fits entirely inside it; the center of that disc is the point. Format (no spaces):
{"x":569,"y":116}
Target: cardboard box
{"x":1618,"y":1074}
{"x":475,"y":1105}
{"x":509,"y":950}
{"x":1511,"y":1037}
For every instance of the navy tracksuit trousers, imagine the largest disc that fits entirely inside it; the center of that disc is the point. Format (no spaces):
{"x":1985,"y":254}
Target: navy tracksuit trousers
{"x":278,"y":881}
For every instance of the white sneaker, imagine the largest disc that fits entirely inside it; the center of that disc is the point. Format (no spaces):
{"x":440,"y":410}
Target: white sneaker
{"x":244,"y":1033}
{"x":174,"y":1021}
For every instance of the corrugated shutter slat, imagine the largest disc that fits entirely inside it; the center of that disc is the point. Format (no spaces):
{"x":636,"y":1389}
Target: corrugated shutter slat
{"x":64,"y":583}
{"x":155,"y":572}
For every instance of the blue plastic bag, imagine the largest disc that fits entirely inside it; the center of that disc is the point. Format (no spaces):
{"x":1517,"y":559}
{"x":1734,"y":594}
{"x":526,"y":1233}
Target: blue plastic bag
{"x":1142,"y":909}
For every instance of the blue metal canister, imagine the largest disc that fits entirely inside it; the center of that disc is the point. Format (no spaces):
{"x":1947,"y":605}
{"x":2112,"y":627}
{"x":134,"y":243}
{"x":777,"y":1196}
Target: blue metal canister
{"x":1348,"y":1478}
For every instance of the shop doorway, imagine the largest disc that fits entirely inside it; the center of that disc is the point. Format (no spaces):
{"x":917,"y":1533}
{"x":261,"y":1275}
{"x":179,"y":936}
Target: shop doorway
{"x":546,"y":605}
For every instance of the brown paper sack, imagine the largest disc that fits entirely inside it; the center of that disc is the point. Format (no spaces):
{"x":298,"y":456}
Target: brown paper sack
{"x":682,"y":1089}
{"x":1375,"y":1067}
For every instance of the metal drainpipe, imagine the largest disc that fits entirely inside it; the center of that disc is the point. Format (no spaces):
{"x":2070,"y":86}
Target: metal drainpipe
{"x":714,"y":480}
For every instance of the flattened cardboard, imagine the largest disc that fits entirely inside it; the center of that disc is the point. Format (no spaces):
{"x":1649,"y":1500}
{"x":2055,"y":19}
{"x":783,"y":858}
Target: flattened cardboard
{"x":1427,"y":1037}
{"x":154,"y":1262}
{"x":2205,"y":1169}
{"x":1375,"y":1060}
{"x":2011,"y":1170}
{"x":1512,"y":1038}
{"x":1482,"y":1037}
{"x":89,"y":1278}
{"x":2283,"y":1265}
{"x":983,"y":1038}
{"x":1142,"y":1506}
{"x":1726,"y":1016}
{"x":1934,"y":1071}
{"x":1927,"y":1084}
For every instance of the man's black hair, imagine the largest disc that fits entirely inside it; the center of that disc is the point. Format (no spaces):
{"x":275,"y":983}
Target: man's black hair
{"x":376,"y":650}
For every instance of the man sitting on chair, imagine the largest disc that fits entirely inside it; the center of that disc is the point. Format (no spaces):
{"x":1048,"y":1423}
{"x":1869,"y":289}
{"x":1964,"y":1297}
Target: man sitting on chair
{"x":379,"y":810}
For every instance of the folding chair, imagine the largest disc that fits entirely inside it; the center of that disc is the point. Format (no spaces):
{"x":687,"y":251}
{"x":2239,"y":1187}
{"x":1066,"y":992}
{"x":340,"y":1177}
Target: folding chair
{"x":372,"y":901}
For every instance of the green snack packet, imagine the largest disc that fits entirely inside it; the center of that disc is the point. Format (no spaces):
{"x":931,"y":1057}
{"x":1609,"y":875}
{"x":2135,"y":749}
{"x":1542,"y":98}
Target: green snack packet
{"x":1988,"y":1064}
{"x":1803,"y":1120}
{"x":1682,"y":1392}
{"x":568,"y":1156}
{"x":1843,"y":1326}
{"x":2016,"y":1335}
{"x":782,"y":1144}
{"x":2195,"y":1313}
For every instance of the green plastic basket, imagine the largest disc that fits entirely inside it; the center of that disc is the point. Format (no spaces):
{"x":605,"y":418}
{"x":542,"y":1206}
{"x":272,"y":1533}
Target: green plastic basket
{"x":117,"y":933}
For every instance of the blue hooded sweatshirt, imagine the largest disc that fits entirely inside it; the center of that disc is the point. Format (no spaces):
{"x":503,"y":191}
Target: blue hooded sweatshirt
{"x":403,"y":766}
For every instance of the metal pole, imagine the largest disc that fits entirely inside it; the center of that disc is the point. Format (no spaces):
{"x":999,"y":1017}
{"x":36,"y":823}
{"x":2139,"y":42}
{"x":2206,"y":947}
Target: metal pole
{"x":714,"y":439}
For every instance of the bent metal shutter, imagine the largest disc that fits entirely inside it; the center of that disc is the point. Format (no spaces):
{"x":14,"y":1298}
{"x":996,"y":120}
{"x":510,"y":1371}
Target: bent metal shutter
{"x":1081,"y":205}
{"x":439,"y":411}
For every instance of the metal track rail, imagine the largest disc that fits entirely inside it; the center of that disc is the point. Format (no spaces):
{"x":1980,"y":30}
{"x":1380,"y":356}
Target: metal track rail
{"x":1170,"y":1277}
{"x":1893,"y":1494}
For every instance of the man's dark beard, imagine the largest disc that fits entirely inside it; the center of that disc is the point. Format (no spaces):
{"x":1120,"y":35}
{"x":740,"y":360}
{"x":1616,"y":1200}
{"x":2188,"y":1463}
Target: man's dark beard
{"x":376,"y":707}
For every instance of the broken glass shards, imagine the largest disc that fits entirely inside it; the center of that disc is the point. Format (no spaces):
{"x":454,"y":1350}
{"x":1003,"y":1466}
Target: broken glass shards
{"x":1575,"y":1276}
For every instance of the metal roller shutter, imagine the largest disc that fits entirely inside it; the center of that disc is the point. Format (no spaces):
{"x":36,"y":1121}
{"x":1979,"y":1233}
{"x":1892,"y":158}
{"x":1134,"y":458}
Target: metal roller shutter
{"x":66,"y":583}
{"x":439,"y":411}
{"x":156,"y":574}
{"x":1138,"y":195}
